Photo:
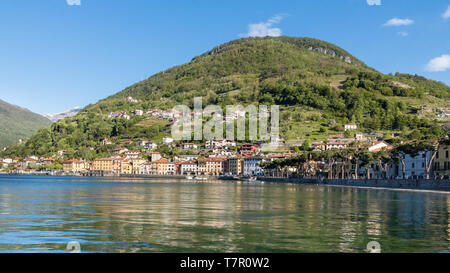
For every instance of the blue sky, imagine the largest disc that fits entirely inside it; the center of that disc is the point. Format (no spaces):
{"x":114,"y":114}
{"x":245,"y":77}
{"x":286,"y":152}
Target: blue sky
{"x":55,"y":56}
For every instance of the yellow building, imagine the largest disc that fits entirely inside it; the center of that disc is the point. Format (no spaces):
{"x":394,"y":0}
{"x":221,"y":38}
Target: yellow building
{"x":103,"y":164}
{"x":235,"y":165}
{"x":442,"y":161}
{"x":126,"y":166}
{"x":211,"y":166}
{"x":75,"y":166}
{"x":137,"y":163}
{"x":160,"y":167}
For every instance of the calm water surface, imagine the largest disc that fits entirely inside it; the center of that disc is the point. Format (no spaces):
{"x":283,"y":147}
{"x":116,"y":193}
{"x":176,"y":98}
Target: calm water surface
{"x":43,"y":214}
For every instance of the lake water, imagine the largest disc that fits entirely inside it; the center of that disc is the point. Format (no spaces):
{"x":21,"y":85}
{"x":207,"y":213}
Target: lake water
{"x":44,"y":214}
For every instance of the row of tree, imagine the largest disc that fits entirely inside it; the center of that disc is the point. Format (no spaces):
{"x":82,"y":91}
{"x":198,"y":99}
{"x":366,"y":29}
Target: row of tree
{"x":359,"y":157}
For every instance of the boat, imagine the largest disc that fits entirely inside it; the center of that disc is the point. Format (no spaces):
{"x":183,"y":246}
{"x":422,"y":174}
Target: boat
{"x":189,"y":177}
{"x":251,"y":179}
{"x":200,"y":178}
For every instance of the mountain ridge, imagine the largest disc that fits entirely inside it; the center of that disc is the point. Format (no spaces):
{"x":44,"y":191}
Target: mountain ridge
{"x":319,"y":86}
{"x":65,"y":114}
{"x":18,"y":123}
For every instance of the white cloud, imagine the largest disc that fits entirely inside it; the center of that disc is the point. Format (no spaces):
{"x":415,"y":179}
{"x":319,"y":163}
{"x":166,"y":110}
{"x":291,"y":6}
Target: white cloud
{"x":403,"y":33}
{"x":265,"y":28}
{"x":399,"y":22}
{"x":374,"y":2}
{"x":439,"y":64}
{"x":446,"y":14}
{"x":73,"y":2}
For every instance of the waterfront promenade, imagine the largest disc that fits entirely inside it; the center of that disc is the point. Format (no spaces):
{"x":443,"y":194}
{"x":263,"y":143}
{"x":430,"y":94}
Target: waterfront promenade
{"x":413,"y":184}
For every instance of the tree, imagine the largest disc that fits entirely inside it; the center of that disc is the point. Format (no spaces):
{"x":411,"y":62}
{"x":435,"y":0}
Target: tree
{"x":366,"y":158}
{"x":400,"y":152}
{"x":384,"y":159}
{"x":306,"y":145}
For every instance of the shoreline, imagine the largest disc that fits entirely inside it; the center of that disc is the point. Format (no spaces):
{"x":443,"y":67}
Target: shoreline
{"x":410,"y":185}
{"x":418,"y":185}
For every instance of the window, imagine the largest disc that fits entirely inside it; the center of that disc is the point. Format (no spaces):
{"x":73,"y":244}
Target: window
{"x":446,"y":154}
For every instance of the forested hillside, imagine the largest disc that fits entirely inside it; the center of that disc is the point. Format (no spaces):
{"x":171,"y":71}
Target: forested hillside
{"x":319,"y":86}
{"x":18,"y":123}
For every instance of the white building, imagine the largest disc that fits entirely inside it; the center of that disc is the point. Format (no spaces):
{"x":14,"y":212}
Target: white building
{"x":145,"y":168}
{"x":378,"y":146}
{"x":167,"y":140}
{"x":132,"y":154}
{"x":189,"y":146}
{"x":150,"y":146}
{"x":171,"y":168}
{"x":184,"y":158}
{"x":131,"y":99}
{"x":414,"y":166}
{"x":138,"y":112}
{"x":120,"y":150}
{"x":189,"y":167}
{"x":155,"y":156}
{"x":335,"y":145}
{"x":252,"y":166}
{"x":219,"y":143}
{"x":348,"y":127}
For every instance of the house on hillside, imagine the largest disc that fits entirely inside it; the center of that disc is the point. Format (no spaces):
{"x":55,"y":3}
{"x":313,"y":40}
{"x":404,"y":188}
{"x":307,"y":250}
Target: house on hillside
{"x":335,"y":145}
{"x":378,"y":146}
{"x":350,"y":126}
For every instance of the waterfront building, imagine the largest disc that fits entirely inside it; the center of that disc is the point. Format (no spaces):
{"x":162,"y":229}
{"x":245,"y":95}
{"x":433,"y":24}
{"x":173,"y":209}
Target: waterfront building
{"x":414,"y":166}
{"x":188,"y":167}
{"x":103,"y":164}
{"x":252,"y":166}
{"x":159,"y":167}
{"x":171,"y":168}
{"x":211,"y":166}
{"x":442,"y":160}
{"x":126,"y":166}
{"x":235,"y":165}
{"x":75,"y":166}
{"x":145,"y":168}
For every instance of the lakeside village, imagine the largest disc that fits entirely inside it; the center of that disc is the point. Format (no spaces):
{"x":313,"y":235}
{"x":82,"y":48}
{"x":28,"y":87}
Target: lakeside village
{"x":344,"y":156}
{"x":224,"y":158}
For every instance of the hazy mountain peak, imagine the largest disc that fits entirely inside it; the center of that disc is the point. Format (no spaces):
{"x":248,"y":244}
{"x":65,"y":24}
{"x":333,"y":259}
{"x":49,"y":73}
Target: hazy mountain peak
{"x":66,"y":114}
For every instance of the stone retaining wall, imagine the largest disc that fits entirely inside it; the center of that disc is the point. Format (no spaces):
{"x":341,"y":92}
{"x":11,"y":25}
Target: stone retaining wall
{"x":438,"y":185}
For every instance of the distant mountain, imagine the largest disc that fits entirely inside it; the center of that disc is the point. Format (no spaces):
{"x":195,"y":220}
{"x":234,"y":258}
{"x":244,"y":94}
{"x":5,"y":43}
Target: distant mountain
{"x":17,"y":123}
{"x":62,"y":115}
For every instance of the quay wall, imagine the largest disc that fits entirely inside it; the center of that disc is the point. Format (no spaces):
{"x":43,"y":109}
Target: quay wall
{"x":420,"y":184}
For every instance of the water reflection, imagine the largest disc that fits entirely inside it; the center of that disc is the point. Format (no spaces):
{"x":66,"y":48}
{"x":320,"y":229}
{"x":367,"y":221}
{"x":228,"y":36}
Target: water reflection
{"x":42,"y":214}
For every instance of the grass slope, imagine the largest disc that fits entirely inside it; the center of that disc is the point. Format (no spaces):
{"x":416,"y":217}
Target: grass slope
{"x":18,"y":123}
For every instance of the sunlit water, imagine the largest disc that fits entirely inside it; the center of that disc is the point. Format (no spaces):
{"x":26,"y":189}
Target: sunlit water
{"x":44,"y":214}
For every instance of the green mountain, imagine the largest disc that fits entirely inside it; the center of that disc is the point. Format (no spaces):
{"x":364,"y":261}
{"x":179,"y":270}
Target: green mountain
{"x":319,"y":86}
{"x":18,"y":123}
